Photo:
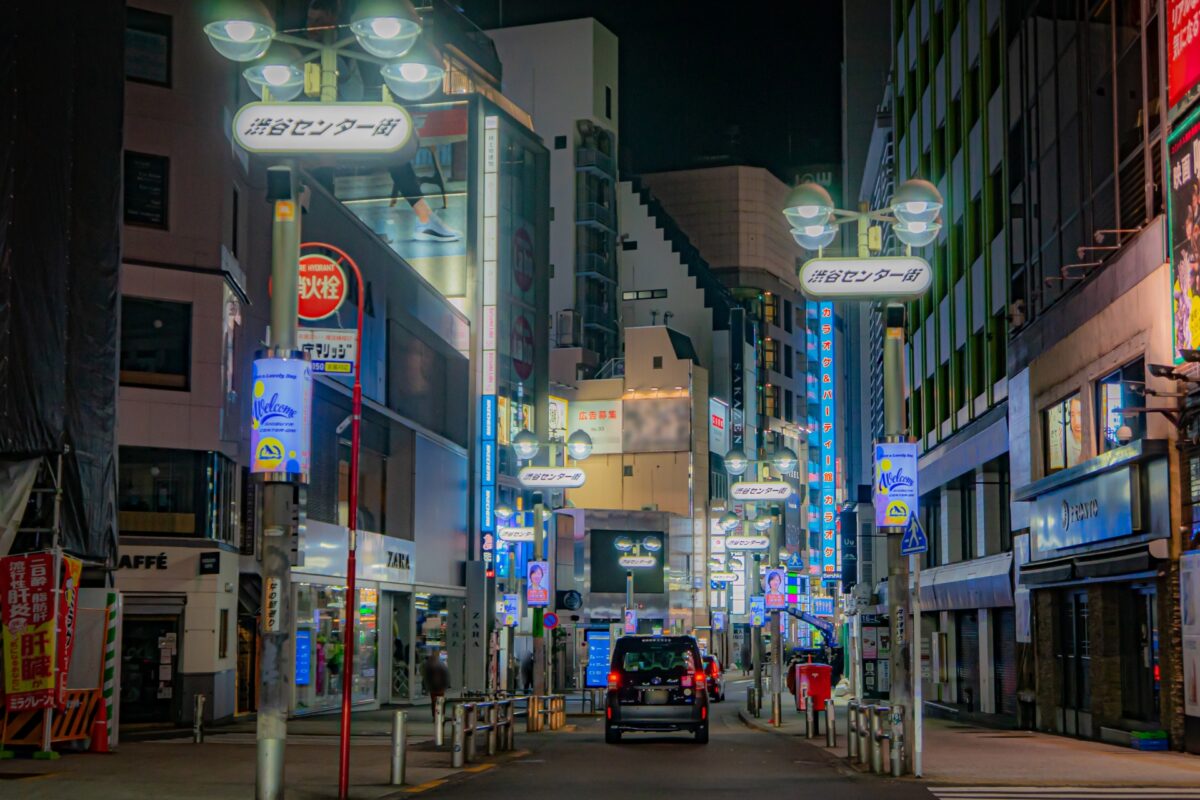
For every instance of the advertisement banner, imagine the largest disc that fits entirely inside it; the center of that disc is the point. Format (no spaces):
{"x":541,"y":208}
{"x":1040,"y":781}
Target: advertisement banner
{"x":718,"y":620}
{"x":512,"y":610}
{"x":37,"y":651}
{"x":775,"y":586}
{"x":601,"y":420}
{"x":895,"y":492}
{"x":281,"y":416}
{"x":830,"y":568}
{"x":1184,"y":232}
{"x":537,"y":587}
{"x":631,"y":621}
{"x":718,"y":427}
{"x":1183,"y":49}
{"x":758,"y":611}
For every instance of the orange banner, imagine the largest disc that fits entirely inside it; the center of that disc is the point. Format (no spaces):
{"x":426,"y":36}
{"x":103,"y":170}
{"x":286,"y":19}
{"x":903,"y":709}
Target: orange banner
{"x":37,"y":650}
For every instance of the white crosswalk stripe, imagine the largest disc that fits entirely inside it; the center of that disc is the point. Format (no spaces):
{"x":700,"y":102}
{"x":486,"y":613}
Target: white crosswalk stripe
{"x":1064,"y":792}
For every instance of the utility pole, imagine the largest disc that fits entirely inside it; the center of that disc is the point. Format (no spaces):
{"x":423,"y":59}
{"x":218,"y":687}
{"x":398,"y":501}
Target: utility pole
{"x":777,"y":635}
{"x":899,"y":601}
{"x":539,"y":631}
{"x":279,"y":498}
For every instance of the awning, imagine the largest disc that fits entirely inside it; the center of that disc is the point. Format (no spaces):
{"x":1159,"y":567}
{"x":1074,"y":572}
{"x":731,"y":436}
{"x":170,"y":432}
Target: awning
{"x":979,"y":583}
{"x":1128,"y":563}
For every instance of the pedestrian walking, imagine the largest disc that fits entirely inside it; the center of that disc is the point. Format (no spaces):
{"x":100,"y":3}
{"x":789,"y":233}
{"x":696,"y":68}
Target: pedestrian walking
{"x":527,"y":673}
{"x":745,"y":658}
{"x":436,"y":677}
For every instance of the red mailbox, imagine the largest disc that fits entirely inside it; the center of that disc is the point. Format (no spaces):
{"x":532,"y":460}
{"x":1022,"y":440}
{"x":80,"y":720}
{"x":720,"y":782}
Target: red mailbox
{"x":813,"y":680}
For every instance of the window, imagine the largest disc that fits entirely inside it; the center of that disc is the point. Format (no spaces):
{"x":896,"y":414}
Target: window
{"x":608,"y":102}
{"x":789,"y":406}
{"x":658,"y":362}
{"x":560,"y":143}
{"x":1063,"y":424}
{"x":771,"y":354}
{"x":644,"y":294}
{"x":789,"y":357}
{"x":770,"y":308}
{"x":223,"y":634}
{"x":164,"y":492}
{"x":771,"y":401}
{"x":233,"y":233}
{"x":146,"y":186}
{"x":155,"y":343}
{"x":787,"y":315}
{"x":629,"y":244}
{"x":147,"y":47}
{"x":1115,"y":391}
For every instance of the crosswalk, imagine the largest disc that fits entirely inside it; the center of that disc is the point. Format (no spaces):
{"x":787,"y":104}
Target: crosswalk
{"x":1064,"y":792}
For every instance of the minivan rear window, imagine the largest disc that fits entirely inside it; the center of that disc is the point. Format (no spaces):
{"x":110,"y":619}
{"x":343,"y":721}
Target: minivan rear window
{"x":670,"y":657}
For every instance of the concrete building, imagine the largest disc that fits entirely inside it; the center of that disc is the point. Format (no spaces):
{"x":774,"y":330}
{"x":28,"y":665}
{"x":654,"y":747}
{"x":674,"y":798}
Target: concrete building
{"x":565,"y":75}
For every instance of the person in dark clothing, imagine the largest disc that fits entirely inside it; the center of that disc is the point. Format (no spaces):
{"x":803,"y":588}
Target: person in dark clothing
{"x":436,"y":677}
{"x":527,"y":673}
{"x":745,"y":659}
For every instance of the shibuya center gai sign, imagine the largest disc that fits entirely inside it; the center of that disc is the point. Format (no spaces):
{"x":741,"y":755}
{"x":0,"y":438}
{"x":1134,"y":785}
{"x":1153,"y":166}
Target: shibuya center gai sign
{"x":322,"y":128}
{"x":772,"y":490}
{"x":883,"y":278}
{"x":281,"y":417}
{"x":551,"y":477}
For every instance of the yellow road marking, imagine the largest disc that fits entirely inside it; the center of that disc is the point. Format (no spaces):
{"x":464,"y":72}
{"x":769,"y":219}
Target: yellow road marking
{"x":423,"y":787}
{"x":479,"y":768}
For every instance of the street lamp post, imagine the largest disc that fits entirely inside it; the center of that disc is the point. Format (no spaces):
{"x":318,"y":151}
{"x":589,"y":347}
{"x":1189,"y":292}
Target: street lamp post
{"x":913,"y":215}
{"x":784,"y":461}
{"x":277,"y":72}
{"x":525,"y":445}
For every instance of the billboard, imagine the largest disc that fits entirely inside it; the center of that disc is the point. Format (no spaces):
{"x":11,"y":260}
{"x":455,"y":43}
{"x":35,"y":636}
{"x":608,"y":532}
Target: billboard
{"x":718,"y":427}
{"x":537,"y":586}
{"x":1184,"y":232}
{"x":830,"y":565}
{"x":601,"y":420}
{"x":607,"y":573}
{"x":657,"y":425}
{"x":281,"y":417}
{"x":1183,"y":49}
{"x":895,"y":490}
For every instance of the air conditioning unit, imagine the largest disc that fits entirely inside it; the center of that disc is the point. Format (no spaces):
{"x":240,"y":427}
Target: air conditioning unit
{"x":567,"y":328}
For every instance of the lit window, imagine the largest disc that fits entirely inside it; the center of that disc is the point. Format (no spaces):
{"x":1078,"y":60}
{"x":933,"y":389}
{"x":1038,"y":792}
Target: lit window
{"x":1063,"y":424}
{"x":1116,"y":391}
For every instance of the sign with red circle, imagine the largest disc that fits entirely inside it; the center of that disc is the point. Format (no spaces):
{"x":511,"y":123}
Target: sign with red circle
{"x":322,"y":286}
{"x":521,"y":342}
{"x":550,"y":620}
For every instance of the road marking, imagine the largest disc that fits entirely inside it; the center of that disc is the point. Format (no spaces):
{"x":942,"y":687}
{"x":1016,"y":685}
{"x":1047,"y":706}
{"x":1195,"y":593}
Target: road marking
{"x":479,"y":768}
{"x":1064,"y":792}
{"x":423,"y":787}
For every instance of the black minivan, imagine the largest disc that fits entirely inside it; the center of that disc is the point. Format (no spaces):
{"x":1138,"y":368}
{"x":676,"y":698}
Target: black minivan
{"x":656,"y":683}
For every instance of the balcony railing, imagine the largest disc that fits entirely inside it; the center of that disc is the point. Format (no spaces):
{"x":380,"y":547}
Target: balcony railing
{"x":588,"y":159}
{"x":595,"y":215}
{"x":595,"y":265}
{"x":598,"y":316}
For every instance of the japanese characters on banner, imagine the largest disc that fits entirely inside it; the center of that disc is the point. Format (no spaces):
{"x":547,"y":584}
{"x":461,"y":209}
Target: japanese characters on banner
{"x":1183,"y":49}
{"x":830,"y":566}
{"x":1184,"y":232}
{"x":321,"y":285}
{"x":322,"y":127}
{"x":38,"y":629}
{"x":281,"y":417}
{"x":897,"y":278}
{"x":601,"y":420}
{"x":488,"y":402}
{"x":330,"y":350}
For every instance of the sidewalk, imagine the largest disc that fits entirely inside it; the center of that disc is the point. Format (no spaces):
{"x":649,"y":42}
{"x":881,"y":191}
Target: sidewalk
{"x":224,"y":765}
{"x":955,"y":753}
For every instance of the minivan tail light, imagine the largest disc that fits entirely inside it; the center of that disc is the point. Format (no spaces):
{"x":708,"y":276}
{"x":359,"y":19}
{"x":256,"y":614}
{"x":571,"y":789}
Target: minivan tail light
{"x":614,"y":680}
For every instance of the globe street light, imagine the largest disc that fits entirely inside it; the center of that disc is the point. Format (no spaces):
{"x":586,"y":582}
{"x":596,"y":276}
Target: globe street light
{"x":277,"y":76}
{"x":415,"y":76}
{"x":525,"y":444}
{"x":784,"y":460}
{"x":736,"y":462}
{"x":243,"y":33}
{"x":579,"y":445}
{"x":729,"y":521}
{"x":385,"y":28}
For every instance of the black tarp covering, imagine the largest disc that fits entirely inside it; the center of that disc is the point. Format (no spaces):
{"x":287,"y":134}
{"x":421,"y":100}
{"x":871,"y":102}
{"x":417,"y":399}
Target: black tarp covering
{"x":61,"y":117}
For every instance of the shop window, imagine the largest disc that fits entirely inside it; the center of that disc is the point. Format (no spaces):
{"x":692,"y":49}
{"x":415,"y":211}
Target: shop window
{"x":165,"y":492}
{"x":771,"y":354}
{"x":155,"y":343}
{"x":147,"y":47}
{"x":321,"y":646}
{"x":1063,"y":426}
{"x":771,"y":309}
{"x":771,"y":401}
{"x":1119,"y":390}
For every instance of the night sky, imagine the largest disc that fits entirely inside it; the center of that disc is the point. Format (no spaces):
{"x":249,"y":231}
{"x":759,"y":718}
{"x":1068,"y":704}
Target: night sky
{"x":701,"y":80}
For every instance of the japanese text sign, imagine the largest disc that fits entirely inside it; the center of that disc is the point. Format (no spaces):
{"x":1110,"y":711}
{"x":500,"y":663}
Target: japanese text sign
{"x":551,"y":477}
{"x":1183,"y":49}
{"x":37,"y":629}
{"x":772,"y":490}
{"x":895,"y":491}
{"x":322,"y":128}
{"x":331,"y":350}
{"x":321,"y":286}
{"x":892,"y":278}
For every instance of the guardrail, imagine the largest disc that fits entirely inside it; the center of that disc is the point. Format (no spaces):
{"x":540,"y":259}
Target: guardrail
{"x":498,"y":724}
{"x":866,"y":734}
{"x":545,"y":711}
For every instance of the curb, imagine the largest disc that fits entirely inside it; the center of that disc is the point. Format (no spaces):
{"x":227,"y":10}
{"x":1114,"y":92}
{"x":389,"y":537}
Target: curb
{"x":468,"y":771}
{"x":829,"y":755}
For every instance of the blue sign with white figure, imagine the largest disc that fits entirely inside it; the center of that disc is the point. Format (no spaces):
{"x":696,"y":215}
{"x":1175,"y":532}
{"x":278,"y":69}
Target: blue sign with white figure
{"x":895,"y":491}
{"x":281,"y":417}
{"x":915,"y":541}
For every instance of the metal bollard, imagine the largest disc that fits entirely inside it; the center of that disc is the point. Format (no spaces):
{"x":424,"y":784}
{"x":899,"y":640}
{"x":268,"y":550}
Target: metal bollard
{"x":852,"y":730}
{"x":864,"y":735}
{"x":458,"y":734}
{"x":878,"y":736}
{"x":808,"y":717}
{"x":874,"y":757}
{"x":493,"y":716}
{"x":897,"y":741}
{"x":439,"y":721}
{"x":399,"y":746}
{"x":472,"y":715}
{"x":198,"y":719}
{"x":531,"y":713}
{"x":830,"y":724}
{"x":752,"y":701}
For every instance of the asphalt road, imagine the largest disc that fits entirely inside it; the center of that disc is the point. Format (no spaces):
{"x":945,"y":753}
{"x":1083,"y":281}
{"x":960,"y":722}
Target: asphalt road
{"x":736,"y":763}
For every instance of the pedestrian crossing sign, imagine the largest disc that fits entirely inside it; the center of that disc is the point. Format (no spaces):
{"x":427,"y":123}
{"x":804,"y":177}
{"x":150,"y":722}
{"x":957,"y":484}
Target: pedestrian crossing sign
{"x":915,"y":541}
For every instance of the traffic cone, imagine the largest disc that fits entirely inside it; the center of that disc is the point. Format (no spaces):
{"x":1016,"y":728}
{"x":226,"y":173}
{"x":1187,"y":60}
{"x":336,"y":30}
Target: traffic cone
{"x":99,"y":742}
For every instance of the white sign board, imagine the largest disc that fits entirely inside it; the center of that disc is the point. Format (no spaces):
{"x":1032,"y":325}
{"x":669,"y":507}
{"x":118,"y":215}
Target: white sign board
{"x":637,"y":562}
{"x":599,"y":419}
{"x":551,"y":477}
{"x":332,"y":350}
{"x":323,"y":128}
{"x":773,"y":490}
{"x":723,"y":577}
{"x":516,"y":534}
{"x":747,"y":542}
{"x":891,"y":278}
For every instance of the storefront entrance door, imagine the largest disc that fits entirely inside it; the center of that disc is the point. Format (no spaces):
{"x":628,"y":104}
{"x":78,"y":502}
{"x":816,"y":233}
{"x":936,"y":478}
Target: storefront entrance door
{"x":1139,"y":654}
{"x":149,"y":664}
{"x":1074,"y":657}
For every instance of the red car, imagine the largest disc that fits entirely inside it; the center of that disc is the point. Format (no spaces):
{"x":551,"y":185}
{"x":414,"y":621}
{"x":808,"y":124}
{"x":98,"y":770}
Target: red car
{"x":716,"y":680}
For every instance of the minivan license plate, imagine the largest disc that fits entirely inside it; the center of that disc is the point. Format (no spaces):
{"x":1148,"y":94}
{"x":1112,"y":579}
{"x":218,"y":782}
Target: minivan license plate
{"x":657,"y":697}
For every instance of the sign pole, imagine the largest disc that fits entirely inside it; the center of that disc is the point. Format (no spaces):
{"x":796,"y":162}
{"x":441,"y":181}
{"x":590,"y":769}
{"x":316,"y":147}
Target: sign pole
{"x":918,"y":714}
{"x":279,"y":498}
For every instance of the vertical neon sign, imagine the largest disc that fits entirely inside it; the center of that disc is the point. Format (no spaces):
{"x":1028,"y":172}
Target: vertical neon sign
{"x":488,"y":409}
{"x":830,"y":568}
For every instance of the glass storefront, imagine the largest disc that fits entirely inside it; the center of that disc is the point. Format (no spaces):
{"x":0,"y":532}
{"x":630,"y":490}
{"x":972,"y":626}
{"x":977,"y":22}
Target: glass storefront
{"x":320,"y":646}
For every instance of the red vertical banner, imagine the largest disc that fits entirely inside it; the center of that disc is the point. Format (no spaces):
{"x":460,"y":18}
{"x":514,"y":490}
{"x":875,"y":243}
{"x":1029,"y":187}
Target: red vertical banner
{"x":27,"y":618}
{"x":68,"y":615}
{"x":1183,"y":48}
